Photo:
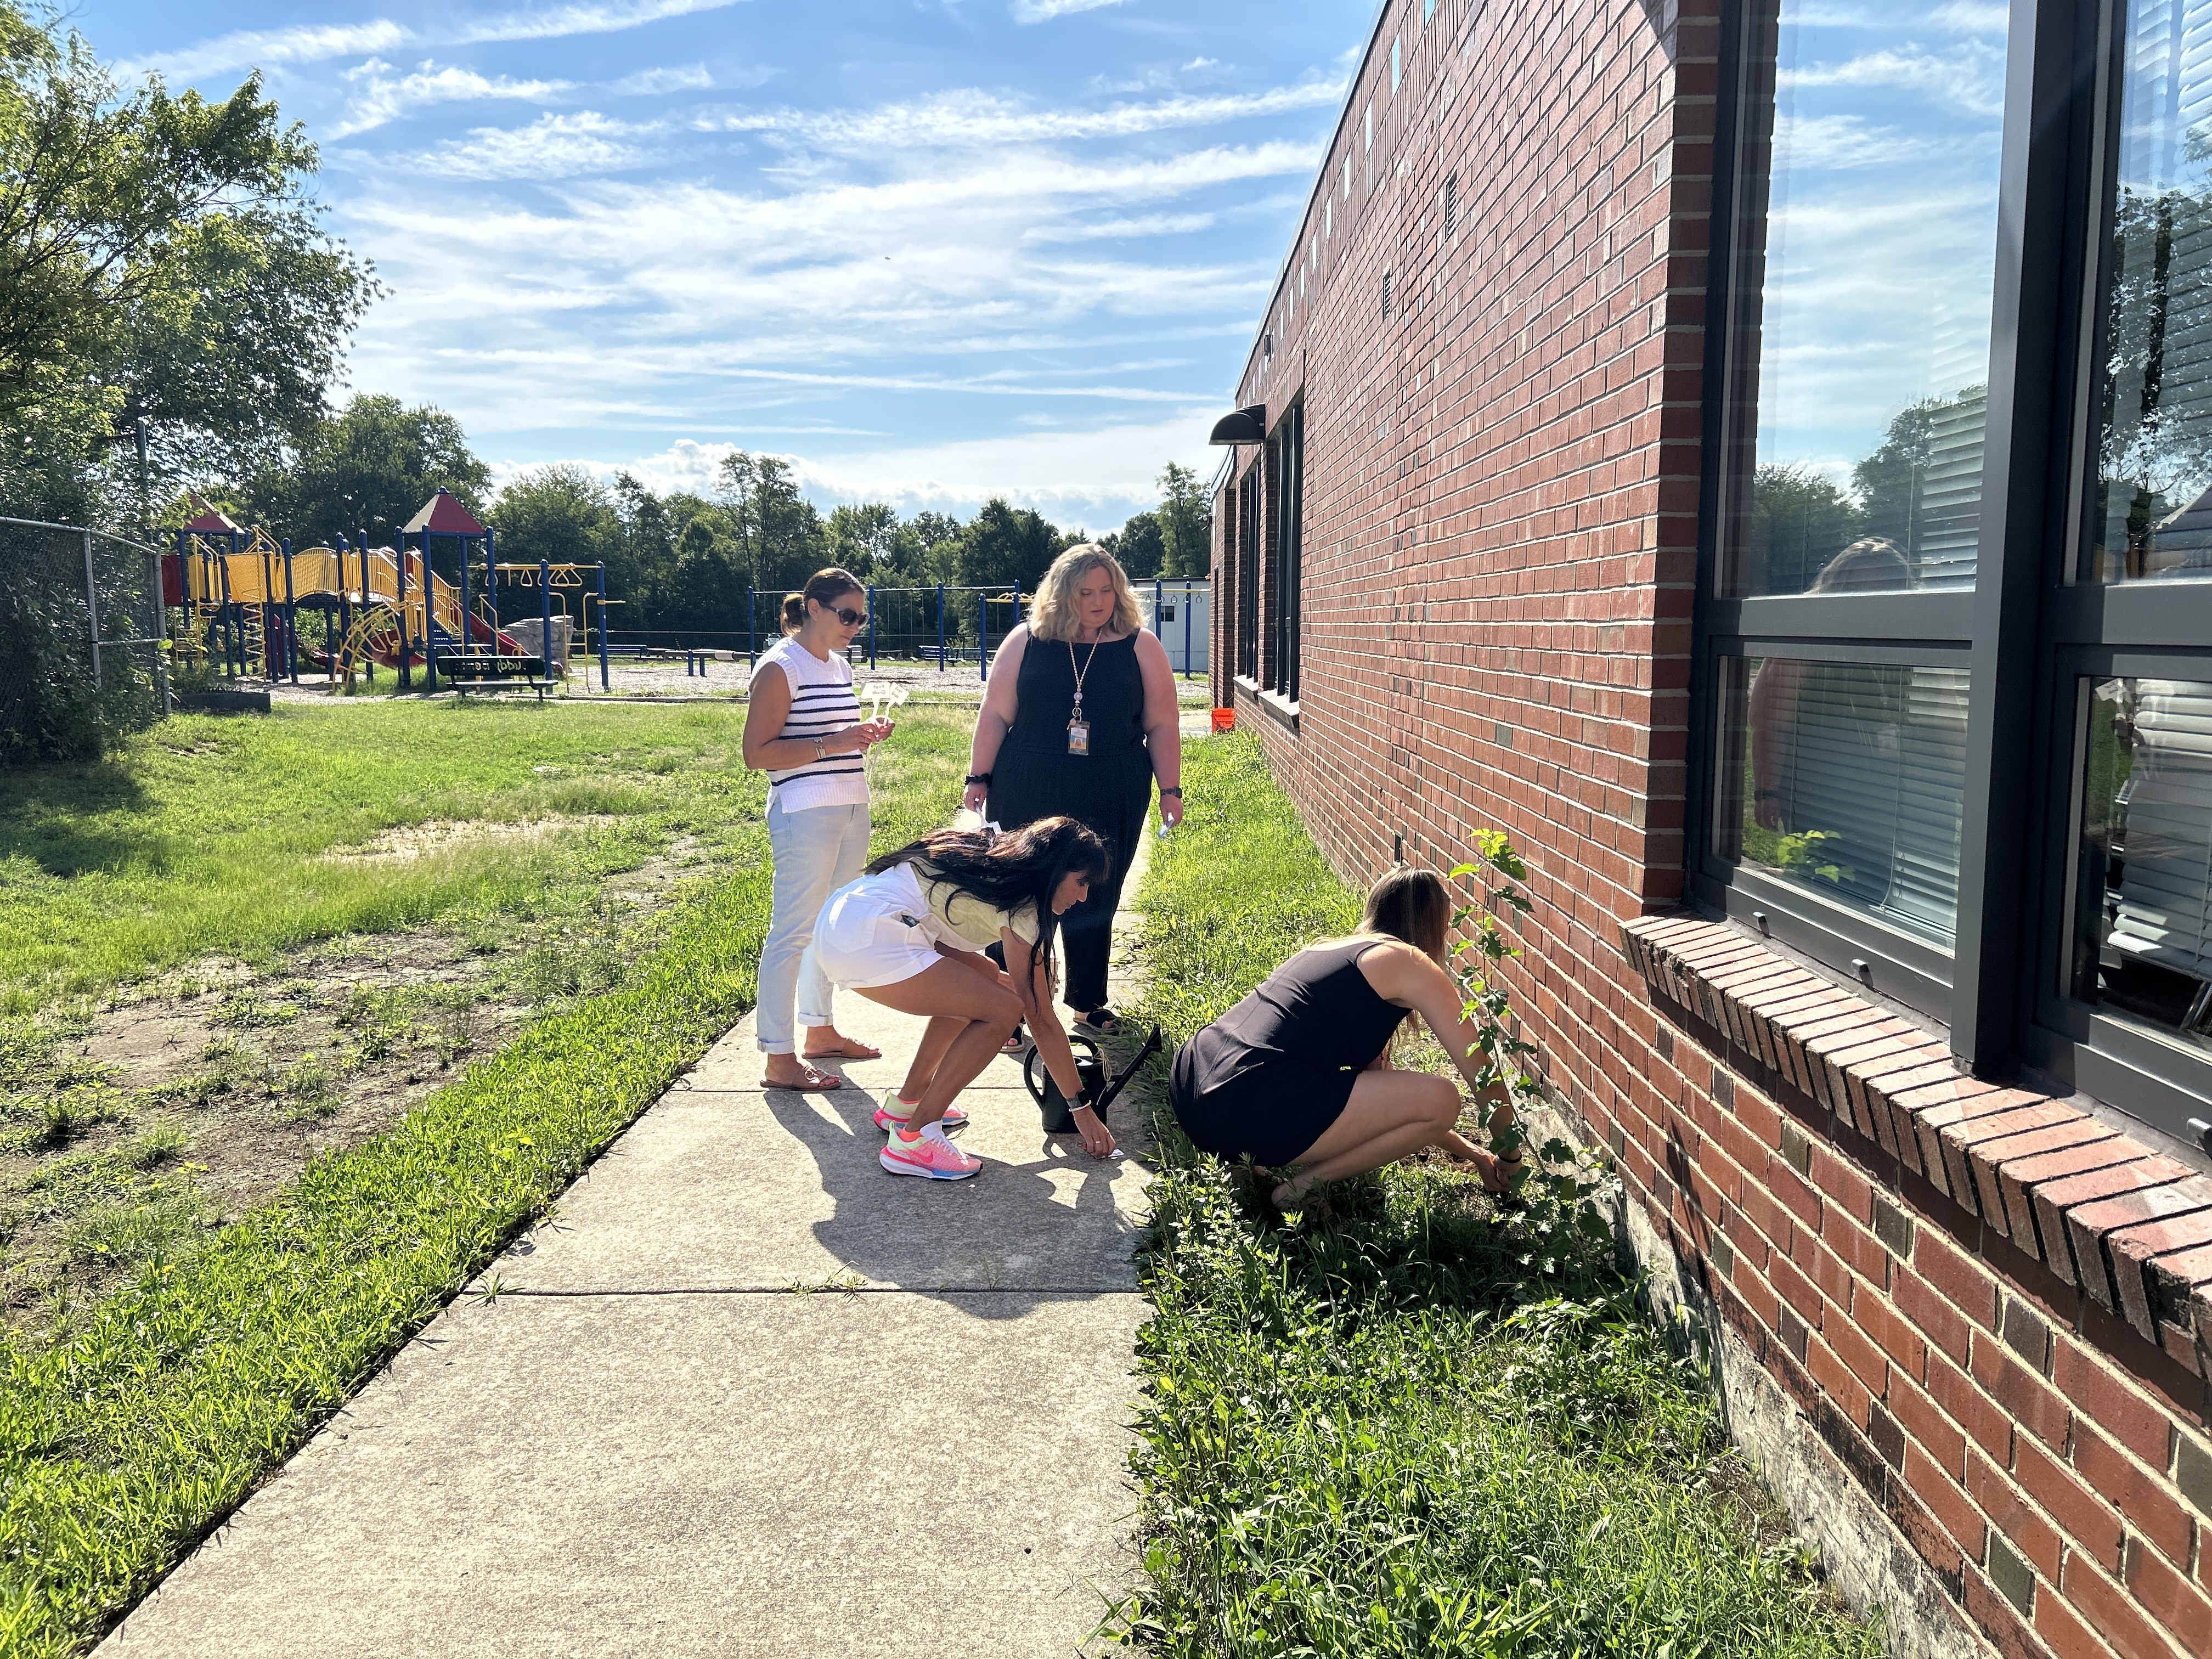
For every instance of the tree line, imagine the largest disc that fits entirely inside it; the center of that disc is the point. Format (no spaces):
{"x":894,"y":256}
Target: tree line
{"x":173,"y":317}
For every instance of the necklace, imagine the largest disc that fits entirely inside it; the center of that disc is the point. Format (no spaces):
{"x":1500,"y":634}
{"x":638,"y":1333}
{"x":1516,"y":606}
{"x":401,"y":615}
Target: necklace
{"x":1078,"y":729}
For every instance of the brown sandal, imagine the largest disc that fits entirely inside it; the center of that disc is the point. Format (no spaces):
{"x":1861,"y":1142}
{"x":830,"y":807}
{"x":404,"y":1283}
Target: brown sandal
{"x":851,"y":1048}
{"x":815,"y":1083}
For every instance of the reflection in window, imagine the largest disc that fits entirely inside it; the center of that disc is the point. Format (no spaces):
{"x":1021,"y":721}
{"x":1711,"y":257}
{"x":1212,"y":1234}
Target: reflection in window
{"x":2142,"y":932}
{"x":1848,"y":778}
{"x":1864,"y":258}
{"x":2153,"y":484}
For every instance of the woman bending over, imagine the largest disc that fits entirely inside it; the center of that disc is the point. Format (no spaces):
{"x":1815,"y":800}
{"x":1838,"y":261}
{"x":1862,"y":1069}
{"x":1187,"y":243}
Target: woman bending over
{"x":910,"y":934}
{"x":1299,"y":1072}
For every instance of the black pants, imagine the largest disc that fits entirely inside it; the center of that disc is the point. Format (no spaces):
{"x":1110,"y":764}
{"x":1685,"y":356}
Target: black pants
{"x":1110,"y":794}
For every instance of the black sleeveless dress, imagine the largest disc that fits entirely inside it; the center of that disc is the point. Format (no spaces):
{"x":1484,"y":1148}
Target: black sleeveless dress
{"x":1266,"y":1079}
{"x":1109,"y":790}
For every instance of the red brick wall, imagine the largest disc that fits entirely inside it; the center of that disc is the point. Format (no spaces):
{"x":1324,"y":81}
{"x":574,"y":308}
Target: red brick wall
{"x":1500,"y":548}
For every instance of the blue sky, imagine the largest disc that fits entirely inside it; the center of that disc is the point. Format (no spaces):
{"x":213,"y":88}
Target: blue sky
{"x":933,"y":250}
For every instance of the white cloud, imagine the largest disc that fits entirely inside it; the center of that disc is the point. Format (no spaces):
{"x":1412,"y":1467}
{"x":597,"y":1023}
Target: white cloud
{"x":970,"y":119}
{"x":585,"y":144}
{"x":1043,"y":11}
{"x":656,"y":82}
{"x":1841,"y":142}
{"x":307,"y":44}
{"x":313,"y":43}
{"x":1969,"y":76}
{"x":383,"y":97}
{"x":1059,"y":470}
{"x":557,"y":23}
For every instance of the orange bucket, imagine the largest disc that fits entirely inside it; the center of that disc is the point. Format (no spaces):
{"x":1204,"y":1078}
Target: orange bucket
{"x":1224,"y":720}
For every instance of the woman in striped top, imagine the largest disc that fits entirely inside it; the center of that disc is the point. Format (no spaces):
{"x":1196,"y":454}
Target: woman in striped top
{"x":803,"y":727}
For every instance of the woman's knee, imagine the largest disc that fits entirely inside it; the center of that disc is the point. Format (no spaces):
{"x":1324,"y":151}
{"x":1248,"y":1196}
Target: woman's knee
{"x":1005,"y":1011}
{"x":1439,"y":1103}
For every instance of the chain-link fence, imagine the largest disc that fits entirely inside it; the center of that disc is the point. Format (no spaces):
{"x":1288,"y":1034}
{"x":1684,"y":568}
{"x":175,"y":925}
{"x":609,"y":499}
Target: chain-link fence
{"x":80,"y":625}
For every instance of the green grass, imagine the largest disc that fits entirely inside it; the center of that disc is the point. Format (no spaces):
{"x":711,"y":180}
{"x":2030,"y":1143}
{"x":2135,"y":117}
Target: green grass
{"x":1429,"y":1427}
{"x":210,"y":835}
{"x":126,"y":1438}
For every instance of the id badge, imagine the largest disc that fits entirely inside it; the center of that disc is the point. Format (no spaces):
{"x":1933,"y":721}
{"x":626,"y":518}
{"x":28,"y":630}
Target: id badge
{"x":1078,"y":737}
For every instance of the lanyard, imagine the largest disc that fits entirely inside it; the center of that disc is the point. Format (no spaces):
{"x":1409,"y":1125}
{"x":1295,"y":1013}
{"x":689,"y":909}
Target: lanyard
{"x":1080,"y":675}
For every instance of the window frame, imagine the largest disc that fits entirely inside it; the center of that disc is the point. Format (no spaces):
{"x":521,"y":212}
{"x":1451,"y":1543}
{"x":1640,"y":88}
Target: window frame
{"x":2028,"y":630}
{"x":1283,"y":617}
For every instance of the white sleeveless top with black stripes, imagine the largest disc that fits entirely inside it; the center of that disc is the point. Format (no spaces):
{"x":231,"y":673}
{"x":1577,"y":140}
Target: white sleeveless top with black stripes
{"x":821,"y":702}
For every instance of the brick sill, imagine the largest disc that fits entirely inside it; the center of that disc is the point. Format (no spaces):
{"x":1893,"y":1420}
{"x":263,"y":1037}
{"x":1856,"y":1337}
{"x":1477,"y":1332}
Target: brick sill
{"x":2128,"y":1227}
{"x":1280,"y":709}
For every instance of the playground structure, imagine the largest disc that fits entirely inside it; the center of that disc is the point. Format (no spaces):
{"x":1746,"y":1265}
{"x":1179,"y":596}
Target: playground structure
{"x":240,"y":595}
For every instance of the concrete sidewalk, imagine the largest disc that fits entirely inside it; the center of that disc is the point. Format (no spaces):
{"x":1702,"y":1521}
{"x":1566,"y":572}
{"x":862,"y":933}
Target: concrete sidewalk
{"x":744,"y":1393}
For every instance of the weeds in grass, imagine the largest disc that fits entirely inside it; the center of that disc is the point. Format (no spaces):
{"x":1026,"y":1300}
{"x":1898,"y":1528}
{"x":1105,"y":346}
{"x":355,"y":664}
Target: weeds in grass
{"x":157,"y":1410}
{"x":310,"y":1091}
{"x":1435,"y":1424}
{"x":155,"y":1145}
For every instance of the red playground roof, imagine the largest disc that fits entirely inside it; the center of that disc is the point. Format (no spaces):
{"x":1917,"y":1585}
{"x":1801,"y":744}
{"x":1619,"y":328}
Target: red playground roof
{"x":442,"y":515}
{"x":210,"y":522}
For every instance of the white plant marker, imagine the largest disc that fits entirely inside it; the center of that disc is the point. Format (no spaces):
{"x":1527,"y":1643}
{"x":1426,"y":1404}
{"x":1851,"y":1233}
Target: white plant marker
{"x":879,"y":692}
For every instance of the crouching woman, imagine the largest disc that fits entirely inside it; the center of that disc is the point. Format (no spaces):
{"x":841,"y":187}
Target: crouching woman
{"x":1298,"y":1073}
{"x":910,"y":934}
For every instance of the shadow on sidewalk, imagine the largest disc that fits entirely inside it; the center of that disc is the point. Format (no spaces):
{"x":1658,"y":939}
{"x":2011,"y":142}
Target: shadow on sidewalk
{"x":994,"y":1245}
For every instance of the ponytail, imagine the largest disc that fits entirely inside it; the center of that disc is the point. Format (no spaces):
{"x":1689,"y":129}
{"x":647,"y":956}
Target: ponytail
{"x":823,"y":586}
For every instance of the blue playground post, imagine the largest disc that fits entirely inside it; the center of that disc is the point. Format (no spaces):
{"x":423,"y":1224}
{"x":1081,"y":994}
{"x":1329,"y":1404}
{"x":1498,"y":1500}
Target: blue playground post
{"x":1186,"y":627}
{"x":468,"y":604}
{"x":291,"y":619}
{"x":229,"y":651}
{"x":983,"y":634}
{"x":872,"y":627}
{"x":491,"y":584}
{"x":345,"y":602}
{"x":750,"y":595}
{"x":545,"y":599}
{"x":399,"y":600}
{"x":606,"y":683}
{"x":940,"y":628}
{"x":1156,"y":611}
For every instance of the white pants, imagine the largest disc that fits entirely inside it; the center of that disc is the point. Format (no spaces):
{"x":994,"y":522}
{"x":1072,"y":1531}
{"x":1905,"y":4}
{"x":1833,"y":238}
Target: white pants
{"x":817,"y":851}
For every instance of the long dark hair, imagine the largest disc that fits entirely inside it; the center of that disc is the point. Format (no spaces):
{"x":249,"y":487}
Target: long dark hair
{"x":824,"y":587}
{"x":1007,"y":870}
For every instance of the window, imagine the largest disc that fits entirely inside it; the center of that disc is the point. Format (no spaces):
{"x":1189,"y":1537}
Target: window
{"x":1451,"y":205}
{"x":1428,"y":10}
{"x":1386,"y":297}
{"x":1347,"y":160}
{"x":1957,"y":739}
{"x":1247,"y":571}
{"x":1369,"y":120}
{"x":1286,"y":466}
{"x":1396,"y":64}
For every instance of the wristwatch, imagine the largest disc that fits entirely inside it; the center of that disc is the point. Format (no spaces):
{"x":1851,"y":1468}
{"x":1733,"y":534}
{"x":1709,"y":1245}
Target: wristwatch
{"x":821,"y":749}
{"x":1175,"y":790}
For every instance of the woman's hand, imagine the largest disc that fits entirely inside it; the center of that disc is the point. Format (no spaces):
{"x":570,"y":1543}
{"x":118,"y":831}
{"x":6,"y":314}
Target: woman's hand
{"x":1097,"y":1138}
{"x":871,"y":732}
{"x":974,"y":795}
{"x":1170,"y":810}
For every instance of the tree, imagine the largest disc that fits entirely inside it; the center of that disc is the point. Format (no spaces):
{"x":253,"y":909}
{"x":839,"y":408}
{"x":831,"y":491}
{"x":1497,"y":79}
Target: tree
{"x":558,"y":513}
{"x":1139,"y":545}
{"x":1799,"y":521}
{"x":777,"y":532}
{"x":1186,"y":524}
{"x":369,"y":469}
{"x":1006,"y":545}
{"x":158,"y":262}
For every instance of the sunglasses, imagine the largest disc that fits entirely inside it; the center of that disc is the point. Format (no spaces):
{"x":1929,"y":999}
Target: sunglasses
{"x":850,"y":618}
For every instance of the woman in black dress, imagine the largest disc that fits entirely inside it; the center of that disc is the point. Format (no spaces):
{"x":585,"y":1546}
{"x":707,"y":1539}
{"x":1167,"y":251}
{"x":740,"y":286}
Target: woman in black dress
{"x":1299,"y":1073}
{"x":1078,"y":720}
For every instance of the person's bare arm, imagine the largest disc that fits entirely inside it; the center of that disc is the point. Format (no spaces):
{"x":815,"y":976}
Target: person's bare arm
{"x":1027,"y":969}
{"x":1403,"y":976}
{"x":1774,"y":714}
{"x":768,"y":706}
{"x":1163,"y":722}
{"x":996,"y":718}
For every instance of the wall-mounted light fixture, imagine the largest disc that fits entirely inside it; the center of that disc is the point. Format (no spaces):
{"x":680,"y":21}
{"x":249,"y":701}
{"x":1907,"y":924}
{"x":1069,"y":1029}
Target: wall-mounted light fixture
{"x":1248,"y":425}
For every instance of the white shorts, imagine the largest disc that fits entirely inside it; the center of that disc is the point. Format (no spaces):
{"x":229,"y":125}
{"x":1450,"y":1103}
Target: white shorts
{"x":877,"y":930}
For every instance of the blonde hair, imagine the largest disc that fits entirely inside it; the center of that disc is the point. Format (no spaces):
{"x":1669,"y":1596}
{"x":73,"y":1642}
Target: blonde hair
{"x":1412,"y":905}
{"x":1052,"y":613}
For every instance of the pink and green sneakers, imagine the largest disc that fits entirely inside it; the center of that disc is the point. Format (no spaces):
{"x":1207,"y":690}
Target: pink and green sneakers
{"x":928,"y":1154}
{"x":895,"y":1110}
